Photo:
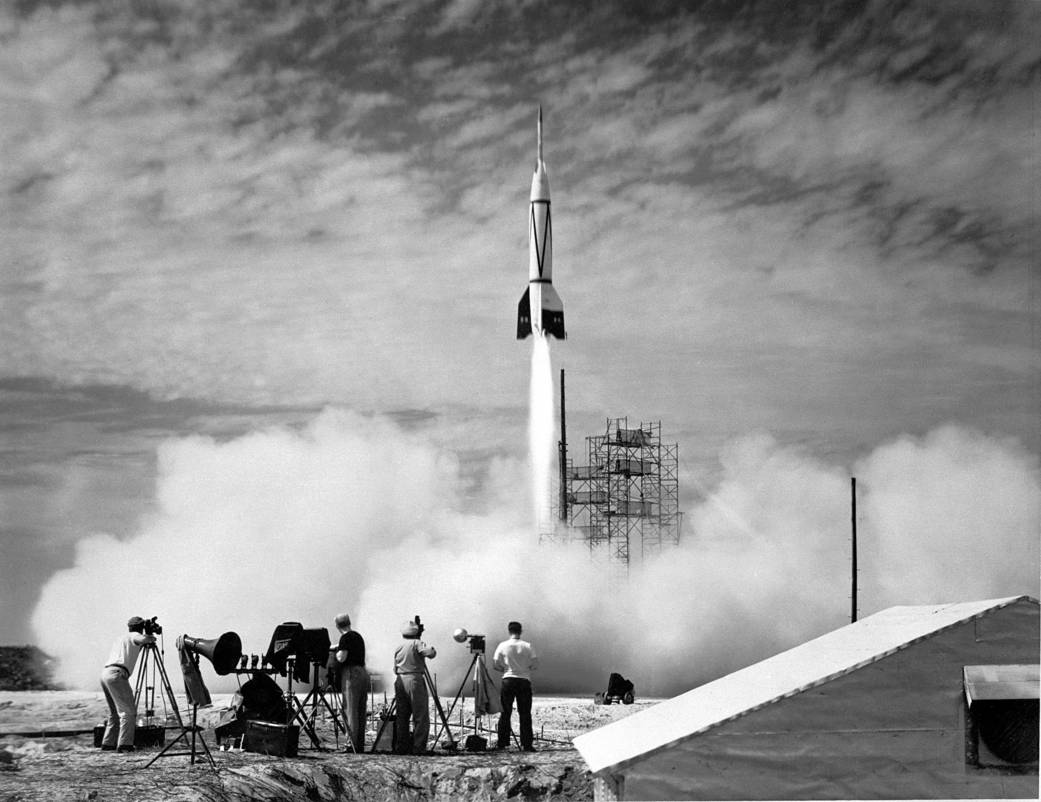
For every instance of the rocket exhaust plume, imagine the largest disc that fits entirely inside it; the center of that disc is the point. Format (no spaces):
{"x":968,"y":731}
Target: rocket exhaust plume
{"x":540,"y":431}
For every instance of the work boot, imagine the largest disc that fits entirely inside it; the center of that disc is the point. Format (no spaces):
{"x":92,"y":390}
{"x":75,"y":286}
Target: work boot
{"x":126,"y":748}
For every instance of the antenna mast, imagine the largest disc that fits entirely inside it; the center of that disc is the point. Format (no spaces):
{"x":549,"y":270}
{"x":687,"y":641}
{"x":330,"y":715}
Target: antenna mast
{"x":563,"y":452}
{"x":853,"y":604}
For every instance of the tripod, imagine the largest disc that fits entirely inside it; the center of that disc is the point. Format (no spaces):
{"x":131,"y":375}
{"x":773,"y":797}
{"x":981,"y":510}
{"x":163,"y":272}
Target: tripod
{"x":391,"y":711}
{"x":298,"y":710}
{"x":152,"y":664}
{"x":477,"y":673}
{"x":152,"y":654}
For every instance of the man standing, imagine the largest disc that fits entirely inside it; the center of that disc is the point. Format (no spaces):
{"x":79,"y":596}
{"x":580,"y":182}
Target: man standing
{"x":410,"y":691}
{"x":517,"y":660}
{"x":115,"y":682}
{"x":354,"y":680}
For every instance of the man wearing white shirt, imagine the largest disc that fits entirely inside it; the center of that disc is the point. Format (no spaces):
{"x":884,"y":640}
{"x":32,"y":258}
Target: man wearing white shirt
{"x":115,"y":682}
{"x":516,"y":659}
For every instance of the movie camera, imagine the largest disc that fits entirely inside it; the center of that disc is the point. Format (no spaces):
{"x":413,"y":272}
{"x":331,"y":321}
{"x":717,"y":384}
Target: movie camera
{"x":293,"y":649}
{"x":152,"y":626}
{"x":477,"y":642}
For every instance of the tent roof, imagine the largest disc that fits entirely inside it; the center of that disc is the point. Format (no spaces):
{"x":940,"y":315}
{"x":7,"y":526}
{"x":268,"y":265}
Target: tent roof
{"x":800,"y":668}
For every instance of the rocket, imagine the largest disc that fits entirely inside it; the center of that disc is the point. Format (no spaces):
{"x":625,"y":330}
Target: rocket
{"x":540,"y":307}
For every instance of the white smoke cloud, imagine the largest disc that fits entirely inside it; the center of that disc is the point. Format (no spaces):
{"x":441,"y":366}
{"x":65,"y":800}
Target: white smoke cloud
{"x":955,"y":509}
{"x":355,"y":514}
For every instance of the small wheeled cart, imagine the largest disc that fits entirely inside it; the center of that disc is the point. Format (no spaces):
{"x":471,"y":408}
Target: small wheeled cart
{"x":619,"y":689}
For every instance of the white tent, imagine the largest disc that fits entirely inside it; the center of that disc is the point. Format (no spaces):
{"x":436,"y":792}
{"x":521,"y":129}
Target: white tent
{"x":882,"y":708}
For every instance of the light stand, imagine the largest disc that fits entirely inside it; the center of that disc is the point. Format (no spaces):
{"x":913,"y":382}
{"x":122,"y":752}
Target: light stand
{"x":194,"y":729}
{"x":477,"y":672}
{"x":298,"y":710}
{"x":317,"y":695}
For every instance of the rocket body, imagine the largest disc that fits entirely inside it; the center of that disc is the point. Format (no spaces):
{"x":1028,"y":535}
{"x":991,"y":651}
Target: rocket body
{"x":540,"y":307}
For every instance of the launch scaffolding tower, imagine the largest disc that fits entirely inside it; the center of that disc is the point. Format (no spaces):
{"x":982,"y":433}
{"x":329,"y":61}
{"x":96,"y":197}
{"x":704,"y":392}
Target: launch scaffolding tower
{"x":624,"y":503}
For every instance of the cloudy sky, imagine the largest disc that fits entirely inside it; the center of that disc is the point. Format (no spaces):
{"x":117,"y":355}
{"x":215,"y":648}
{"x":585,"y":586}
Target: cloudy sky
{"x":803,"y":236}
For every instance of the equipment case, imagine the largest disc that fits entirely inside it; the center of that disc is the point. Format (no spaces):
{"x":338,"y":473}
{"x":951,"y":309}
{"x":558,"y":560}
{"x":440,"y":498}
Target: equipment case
{"x":266,"y":738}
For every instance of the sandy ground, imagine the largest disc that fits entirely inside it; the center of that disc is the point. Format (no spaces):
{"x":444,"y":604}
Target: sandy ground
{"x":43,"y":761}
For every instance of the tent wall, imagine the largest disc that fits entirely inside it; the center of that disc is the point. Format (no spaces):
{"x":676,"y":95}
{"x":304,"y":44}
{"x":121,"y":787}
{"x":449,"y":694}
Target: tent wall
{"x":895,"y":728}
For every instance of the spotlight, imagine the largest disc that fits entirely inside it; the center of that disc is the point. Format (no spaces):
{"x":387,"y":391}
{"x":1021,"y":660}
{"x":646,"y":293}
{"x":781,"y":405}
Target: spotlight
{"x":477,"y":644}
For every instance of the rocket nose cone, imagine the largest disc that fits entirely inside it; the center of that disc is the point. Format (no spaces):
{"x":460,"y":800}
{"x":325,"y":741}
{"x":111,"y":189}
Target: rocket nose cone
{"x":539,"y":138}
{"x":540,"y":184}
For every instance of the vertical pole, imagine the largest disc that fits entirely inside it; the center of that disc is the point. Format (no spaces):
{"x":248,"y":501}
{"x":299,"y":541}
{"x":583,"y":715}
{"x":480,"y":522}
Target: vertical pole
{"x":853,"y":604}
{"x":563,"y":452}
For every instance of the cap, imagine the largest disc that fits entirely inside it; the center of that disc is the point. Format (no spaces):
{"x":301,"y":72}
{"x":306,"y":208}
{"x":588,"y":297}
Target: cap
{"x":135,"y":621}
{"x":410,"y":629}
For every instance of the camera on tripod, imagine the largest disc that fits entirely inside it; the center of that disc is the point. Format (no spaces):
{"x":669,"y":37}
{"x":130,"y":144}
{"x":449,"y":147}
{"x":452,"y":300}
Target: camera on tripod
{"x":152,"y":627}
{"x":477,"y":644}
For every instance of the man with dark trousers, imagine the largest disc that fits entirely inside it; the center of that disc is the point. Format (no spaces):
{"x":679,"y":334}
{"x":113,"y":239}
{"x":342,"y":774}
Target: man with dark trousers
{"x":354,"y":680}
{"x":516,"y":659}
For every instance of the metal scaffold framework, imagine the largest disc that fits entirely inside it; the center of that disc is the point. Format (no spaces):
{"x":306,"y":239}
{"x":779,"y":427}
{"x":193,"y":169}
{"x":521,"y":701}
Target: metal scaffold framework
{"x":624,"y":503}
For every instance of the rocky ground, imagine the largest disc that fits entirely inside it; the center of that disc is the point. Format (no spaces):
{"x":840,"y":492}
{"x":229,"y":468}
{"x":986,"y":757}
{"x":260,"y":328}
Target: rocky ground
{"x":40,"y":760}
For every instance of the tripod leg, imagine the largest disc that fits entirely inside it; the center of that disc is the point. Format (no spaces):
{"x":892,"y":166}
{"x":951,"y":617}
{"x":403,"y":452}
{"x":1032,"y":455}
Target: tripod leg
{"x":313,"y":699}
{"x":195,"y":731}
{"x":462,"y":685}
{"x":169,"y":746}
{"x":390,"y":714}
{"x":190,"y":745}
{"x":167,"y":689}
{"x":202,"y":741}
{"x":298,"y":714}
{"x":317,"y":696}
{"x":141,"y":675}
{"x":437,"y":704}
{"x":337,"y":724}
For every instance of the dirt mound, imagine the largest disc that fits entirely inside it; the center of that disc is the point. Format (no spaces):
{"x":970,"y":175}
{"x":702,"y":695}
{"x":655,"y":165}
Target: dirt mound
{"x":25,"y":668}
{"x":47,"y":763}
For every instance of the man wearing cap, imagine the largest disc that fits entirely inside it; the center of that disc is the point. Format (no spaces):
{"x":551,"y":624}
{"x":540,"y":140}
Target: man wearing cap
{"x":410,"y":691}
{"x":516,"y":659}
{"x":353,"y":680}
{"x":115,"y":682}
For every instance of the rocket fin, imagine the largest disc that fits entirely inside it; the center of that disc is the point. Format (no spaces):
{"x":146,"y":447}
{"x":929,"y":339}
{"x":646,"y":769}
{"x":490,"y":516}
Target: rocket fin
{"x":524,"y":315}
{"x":552,"y":312}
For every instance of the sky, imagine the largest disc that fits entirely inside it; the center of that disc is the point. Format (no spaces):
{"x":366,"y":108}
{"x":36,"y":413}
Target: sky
{"x":260,"y":272}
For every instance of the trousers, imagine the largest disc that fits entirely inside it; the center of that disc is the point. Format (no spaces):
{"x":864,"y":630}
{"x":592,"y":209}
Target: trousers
{"x":354,"y":690}
{"x":519,"y":690}
{"x":411,"y":702}
{"x":122,"y":709}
